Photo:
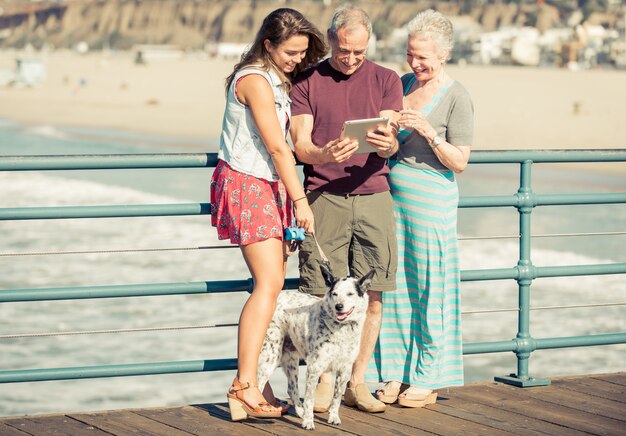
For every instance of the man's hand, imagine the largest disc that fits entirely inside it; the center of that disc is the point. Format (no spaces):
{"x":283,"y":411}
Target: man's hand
{"x":384,"y":140}
{"x":339,"y":150}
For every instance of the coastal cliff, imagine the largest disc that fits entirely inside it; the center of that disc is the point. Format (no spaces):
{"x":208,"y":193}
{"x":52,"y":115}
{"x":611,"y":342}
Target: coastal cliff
{"x":190,"y":24}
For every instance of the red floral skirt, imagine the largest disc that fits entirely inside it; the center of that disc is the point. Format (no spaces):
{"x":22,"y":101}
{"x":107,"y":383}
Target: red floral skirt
{"x":246,"y":209}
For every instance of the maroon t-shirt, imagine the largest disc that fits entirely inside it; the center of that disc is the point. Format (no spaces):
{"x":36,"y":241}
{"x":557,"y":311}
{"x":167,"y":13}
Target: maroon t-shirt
{"x":332,"y":97}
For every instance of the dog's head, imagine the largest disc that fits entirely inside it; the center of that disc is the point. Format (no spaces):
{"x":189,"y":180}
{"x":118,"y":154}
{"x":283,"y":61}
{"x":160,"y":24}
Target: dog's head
{"x":347,"y":297}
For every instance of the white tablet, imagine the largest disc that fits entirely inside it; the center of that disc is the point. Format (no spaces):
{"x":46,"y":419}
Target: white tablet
{"x":358,"y":129}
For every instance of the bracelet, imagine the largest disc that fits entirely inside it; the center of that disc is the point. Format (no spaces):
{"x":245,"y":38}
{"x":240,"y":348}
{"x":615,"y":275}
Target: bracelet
{"x":301,"y":198}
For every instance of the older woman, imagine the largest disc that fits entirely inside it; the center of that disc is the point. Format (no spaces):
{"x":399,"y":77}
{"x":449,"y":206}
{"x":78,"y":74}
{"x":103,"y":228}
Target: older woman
{"x":420,"y":339}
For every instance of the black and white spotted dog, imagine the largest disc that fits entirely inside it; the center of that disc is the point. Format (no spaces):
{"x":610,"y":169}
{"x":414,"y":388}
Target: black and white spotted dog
{"x":325,"y":332}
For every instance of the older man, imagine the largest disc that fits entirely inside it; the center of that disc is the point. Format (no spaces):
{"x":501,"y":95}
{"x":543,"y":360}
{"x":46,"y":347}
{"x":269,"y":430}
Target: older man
{"x":348,"y":191}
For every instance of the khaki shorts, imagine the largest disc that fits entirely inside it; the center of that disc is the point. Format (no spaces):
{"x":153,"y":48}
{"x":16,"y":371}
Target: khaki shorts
{"x":357,"y":233}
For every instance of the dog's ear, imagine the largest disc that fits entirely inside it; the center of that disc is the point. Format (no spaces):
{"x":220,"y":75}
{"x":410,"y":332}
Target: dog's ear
{"x":327,"y":272}
{"x":363,"y":284}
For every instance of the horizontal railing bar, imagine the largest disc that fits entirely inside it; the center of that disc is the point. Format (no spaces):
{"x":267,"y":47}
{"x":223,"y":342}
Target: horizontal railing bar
{"x":548,"y":156}
{"x":489,"y":347}
{"x":217,"y":247}
{"x":210,"y":326}
{"x":98,"y":332}
{"x":108,"y":161}
{"x":578,"y":306}
{"x":145,"y":210}
{"x":541,"y":200}
{"x":581,"y":341}
{"x":481,"y":238}
{"x":118,"y":250}
{"x":573,"y":199}
{"x":140,"y":290}
{"x":580,"y":270}
{"x":135,"y":369}
{"x":544,"y":271}
{"x":159,"y":289}
{"x":114,"y":211}
{"x":190,"y":160}
{"x":474,"y":312}
{"x":488,"y":201}
{"x":545,"y":343}
{"x":516,"y":309}
{"x":141,"y":210}
{"x":546,"y":235}
{"x":488,"y":274}
{"x":115,"y":291}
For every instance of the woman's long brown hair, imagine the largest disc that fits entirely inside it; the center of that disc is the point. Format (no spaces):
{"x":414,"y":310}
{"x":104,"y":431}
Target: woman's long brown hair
{"x":277,"y":27}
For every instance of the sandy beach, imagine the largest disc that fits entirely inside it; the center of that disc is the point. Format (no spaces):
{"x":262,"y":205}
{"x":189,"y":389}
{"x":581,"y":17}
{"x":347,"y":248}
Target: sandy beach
{"x":516,"y":107}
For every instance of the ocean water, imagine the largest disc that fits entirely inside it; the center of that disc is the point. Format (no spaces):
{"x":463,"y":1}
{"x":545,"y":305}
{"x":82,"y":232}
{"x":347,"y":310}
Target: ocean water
{"x":147,"y":186}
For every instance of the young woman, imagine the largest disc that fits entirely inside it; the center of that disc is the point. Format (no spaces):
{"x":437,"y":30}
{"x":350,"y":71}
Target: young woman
{"x":255,"y":189}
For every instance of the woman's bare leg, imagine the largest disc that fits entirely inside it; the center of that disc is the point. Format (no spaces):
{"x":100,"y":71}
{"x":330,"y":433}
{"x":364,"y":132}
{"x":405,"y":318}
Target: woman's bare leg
{"x":266,"y":264}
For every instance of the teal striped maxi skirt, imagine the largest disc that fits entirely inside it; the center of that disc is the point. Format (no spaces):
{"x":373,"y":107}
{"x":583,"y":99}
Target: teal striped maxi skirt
{"x":420,"y":338}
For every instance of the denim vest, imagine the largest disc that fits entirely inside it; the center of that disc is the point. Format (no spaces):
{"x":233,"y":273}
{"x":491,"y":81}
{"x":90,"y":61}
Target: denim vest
{"x":241,"y":145}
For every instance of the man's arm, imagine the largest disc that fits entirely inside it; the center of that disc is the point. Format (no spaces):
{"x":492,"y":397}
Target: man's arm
{"x":307,"y":152}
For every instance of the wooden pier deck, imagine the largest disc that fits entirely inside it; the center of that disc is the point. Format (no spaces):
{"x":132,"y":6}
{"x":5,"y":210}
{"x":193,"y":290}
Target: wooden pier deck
{"x":594,"y":404}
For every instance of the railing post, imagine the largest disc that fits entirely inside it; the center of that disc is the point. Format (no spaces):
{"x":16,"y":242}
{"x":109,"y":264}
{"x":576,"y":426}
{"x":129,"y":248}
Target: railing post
{"x":526,"y":274}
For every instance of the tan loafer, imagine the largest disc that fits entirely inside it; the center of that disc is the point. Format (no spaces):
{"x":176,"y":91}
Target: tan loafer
{"x":417,"y":400}
{"x":323,"y":397}
{"x":361,"y":397}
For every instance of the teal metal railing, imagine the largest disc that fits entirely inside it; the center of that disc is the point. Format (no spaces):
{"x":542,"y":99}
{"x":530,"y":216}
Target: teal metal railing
{"x":524,"y":273}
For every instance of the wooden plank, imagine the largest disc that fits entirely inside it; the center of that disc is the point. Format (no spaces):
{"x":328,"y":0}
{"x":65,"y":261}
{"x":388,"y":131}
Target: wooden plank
{"x":429,"y":419}
{"x":287,"y":424}
{"x":594,"y":387}
{"x":618,"y":378}
{"x":374,"y":423}
{"x":7,"y":430}
{"x":53,"y":425}
{"x":507,"y":421}
{"x":125,"y":422}
{"x":196,"y":421}
{"x":558,"y":394}
{"x":510,"y":398}
{"x":571,"y":406}
{"x":250,"y":425}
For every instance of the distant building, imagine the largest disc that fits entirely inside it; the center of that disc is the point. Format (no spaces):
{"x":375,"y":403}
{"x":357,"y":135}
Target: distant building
{"x":230,"y":50}
{"x":29,"y":71}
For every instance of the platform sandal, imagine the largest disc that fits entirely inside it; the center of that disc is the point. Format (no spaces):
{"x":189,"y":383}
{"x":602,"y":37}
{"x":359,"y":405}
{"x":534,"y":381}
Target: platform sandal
{"x":388,"y":394}
{"x":417,"y":400}
{"x":240,"y":410}
{"x":284,"y":407}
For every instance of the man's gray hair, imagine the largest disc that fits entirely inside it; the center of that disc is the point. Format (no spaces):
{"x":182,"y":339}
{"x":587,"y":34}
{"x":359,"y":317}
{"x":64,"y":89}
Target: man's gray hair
{"x":349,"y":16}
{"x":435,"y":26}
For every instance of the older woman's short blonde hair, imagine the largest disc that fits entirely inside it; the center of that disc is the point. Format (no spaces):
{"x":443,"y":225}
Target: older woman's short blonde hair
{"x":435,"y":26}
